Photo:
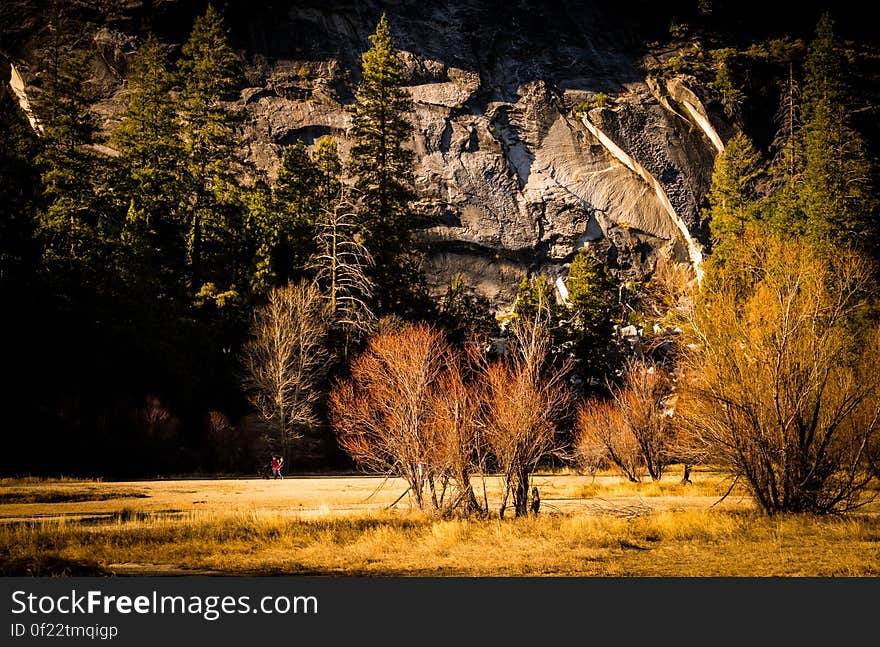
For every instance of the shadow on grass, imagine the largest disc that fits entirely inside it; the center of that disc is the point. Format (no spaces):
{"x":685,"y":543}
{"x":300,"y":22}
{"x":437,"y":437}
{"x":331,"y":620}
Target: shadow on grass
{"x":62,"y":496}
{"x":49,"y":566}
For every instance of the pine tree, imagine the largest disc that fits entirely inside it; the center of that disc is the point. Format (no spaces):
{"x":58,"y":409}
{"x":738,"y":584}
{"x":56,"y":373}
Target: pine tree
{"x":151,"y":158}
{"x":68,"y":227}
{"x":465,"y":317}
{"x":733,"y":197}
{"x":592,"y":288}
{"x":785,"y":213}
{"x":593,"y":311}
{"x":328,"y":168}
{"x":19,"y":181}
{"x":836,"y":192}
{"x":296,"y":194}
{"x":536,"y":298}
{"x":263,"y":230}
{"x":383,"y":168}
{"x":297,"y":183}
{"x":209,"y":72}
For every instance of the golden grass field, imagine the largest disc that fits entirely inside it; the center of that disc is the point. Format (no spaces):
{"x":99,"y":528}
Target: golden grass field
{"x":343,"y":525}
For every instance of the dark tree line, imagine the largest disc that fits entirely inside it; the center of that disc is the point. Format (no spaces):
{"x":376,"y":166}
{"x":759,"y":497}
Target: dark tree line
{"x":130,"y":267}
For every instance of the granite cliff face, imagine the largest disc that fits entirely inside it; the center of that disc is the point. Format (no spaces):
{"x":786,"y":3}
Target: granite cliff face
{"x":510,"y":179}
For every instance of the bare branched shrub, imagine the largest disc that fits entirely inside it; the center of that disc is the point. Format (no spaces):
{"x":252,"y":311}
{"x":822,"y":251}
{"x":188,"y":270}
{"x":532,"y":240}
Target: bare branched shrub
{"x":633,"y":429}
{"x":285,"y":360}
{"x":524,"y":397}
{"x":782,"y":386}
{"x":224,"y":441}
{"x":454,"y":433}
{"x":642,"y":402}
{"x":156,"y":420}
{"x":382,"y":415}
{"x":602,"y":434}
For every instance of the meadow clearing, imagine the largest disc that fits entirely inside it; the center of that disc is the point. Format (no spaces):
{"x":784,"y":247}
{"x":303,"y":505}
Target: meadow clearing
{"x":347,"y":525}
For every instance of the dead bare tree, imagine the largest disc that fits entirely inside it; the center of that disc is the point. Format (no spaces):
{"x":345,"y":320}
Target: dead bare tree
{"x":286,"y":358}
{"x":524,"y":396}
{"x":782,"y":386}
{"x":382,"y":415}
{"x":341,"y":263}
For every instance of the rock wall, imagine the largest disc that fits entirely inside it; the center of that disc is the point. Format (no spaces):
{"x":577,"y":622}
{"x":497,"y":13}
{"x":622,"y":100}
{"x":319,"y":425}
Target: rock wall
{"x":509,"y":180}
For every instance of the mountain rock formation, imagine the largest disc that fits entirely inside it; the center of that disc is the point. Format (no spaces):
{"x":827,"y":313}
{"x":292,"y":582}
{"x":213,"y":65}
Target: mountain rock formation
{"x":520,"y":161}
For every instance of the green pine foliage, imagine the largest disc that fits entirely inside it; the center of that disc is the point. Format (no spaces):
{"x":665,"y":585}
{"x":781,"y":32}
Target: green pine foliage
{"x":593,"y":312}
{"x":582,"y":328}
{"x":297,"y":183}
{"x":328,"y":168}
{"x":787,"y":163}
{"x":536,"y":297}
{"x":733,"y":194}
{"x":264,"y":232}
{"x":837,"y":197}
{"x":19,"y":182}
{"x":592,"y":288}
{"x":209,"y":74}
{"x":297,"y":196}
{"x":383,"y":169}
{"x":818,"y":180}
{"x":465,"y":317}
{"x":68,"y":227}
{"x":151,"y":157}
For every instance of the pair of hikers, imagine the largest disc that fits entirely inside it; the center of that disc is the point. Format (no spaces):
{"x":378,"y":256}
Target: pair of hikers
{"x":277,"y":462}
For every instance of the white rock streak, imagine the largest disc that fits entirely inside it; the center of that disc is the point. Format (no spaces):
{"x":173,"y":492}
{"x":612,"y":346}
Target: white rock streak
{"x":694,"y":107}
{"x":563,"y":291}
{"x":17,"y":85}
{"x":695,"y":252}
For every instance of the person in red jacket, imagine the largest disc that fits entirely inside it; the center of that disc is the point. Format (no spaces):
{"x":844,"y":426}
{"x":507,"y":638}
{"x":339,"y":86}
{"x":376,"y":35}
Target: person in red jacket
{"x":277,"y":462}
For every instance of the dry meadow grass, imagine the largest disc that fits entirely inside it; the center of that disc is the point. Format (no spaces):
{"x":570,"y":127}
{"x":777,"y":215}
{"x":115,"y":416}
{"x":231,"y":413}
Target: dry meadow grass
{"x":343,"y":526}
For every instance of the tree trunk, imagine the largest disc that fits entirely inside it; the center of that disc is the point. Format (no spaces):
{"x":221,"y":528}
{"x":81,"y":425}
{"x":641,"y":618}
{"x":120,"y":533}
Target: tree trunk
{"x":521,"y":494}
{"x":504,"y":500}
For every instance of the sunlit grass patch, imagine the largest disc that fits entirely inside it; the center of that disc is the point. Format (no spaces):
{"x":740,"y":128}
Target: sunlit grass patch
{"x":702,"y":484}
{"x":697,"y":542}
{"x":315,"y":527}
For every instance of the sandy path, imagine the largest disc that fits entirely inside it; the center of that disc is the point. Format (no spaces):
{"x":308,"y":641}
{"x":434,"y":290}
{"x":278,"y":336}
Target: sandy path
{"x":314,"y":495}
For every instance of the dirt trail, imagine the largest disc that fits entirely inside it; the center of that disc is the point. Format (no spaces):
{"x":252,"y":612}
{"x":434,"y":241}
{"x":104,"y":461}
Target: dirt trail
{"x":311,"y":497}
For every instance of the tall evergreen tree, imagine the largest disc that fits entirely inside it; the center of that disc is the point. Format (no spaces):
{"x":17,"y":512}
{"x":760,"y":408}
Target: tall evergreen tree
{"x":733,"y":196}
{"x":151,"y":158}
{"x":296,"y":194}
{"x":68,"y":227}
{"x":209,"y":72}
{"x":328,"y":168}
{"x":465,"y":316}
{"x":537,"y":298}
{"x":593,"y":311}
{"x":836,"y":190}
{"x":263,"y":230}
{"x":19,"y":182}
{"x":297,"y":183}
{"x":785,"y":212}
{"x":383,"y":168}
